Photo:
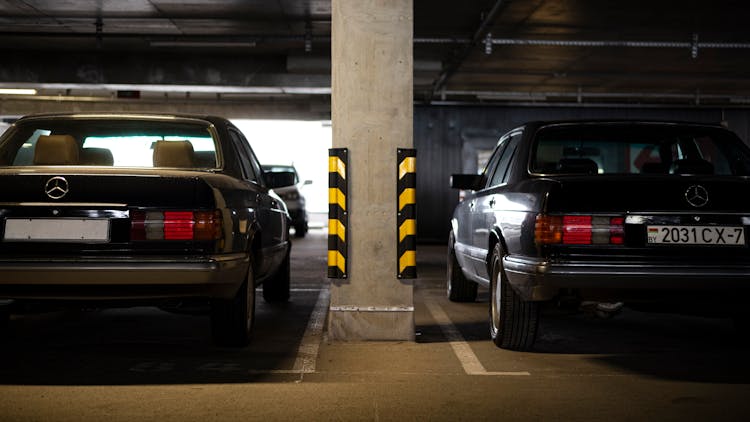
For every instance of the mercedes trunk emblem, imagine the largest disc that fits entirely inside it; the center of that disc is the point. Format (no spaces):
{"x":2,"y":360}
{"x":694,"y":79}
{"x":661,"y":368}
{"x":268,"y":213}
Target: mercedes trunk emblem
{"x":696,"y":195}
{"x":56,"y":187}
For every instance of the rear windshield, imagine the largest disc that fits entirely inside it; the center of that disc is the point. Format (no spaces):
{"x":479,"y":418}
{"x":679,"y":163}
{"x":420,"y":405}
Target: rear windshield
{"x":638,"y":149}
{"x":109,"y":142}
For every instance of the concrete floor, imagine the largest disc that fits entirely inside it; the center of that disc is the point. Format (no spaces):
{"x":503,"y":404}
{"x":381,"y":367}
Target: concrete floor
{"x":143,"y":363}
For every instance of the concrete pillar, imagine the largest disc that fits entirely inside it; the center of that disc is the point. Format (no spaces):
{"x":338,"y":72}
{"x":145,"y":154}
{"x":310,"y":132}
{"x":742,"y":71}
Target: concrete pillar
{"x":372,"y":114}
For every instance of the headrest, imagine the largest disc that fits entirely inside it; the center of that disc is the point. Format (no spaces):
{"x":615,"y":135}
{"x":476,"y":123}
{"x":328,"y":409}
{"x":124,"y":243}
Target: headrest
{"x":653,"y":167}
{"x":56,"y":150}
{"x":205,"y":159}
{"x":97,"y":157}
{"x":577,"y":165}
{"x":173,"y":154}
{"x":691,"y":166}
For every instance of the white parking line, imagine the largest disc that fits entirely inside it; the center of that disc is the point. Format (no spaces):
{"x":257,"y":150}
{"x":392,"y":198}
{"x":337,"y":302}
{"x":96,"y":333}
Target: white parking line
{"x":469,"y":360}
{"x":307,"y":354}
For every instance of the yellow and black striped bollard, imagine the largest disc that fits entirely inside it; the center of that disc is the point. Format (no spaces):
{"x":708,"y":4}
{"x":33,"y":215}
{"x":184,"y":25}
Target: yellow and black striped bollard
{"x":407,"y":213}
{"x":337,"y":212}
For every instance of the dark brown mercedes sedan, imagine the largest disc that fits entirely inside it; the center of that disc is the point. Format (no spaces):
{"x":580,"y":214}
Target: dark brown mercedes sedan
{"x":121,"y":209}
{"x":654,"y":214}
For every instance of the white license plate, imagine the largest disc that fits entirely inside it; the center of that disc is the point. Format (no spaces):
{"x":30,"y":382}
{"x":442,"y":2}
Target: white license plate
{"x":56,"y":230}
{"x":696,"y":235}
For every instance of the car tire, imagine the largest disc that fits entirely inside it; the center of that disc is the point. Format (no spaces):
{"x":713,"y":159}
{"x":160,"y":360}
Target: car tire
{"x":458,"y":288}
{"x":513,"y":322}
{"x":276,"y":288}
{"x":232,"y":320}
{"x":300,"y":230}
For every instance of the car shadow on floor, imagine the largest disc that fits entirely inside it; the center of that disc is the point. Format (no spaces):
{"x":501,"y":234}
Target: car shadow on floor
{"x":663,"y":346}
{"x":145,"y":346}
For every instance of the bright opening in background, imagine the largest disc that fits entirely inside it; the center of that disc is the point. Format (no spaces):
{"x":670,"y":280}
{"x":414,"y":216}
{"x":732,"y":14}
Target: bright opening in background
{"x":304,"y":144}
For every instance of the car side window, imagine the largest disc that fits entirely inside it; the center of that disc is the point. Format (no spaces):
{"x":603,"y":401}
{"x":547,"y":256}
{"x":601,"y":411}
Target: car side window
{"x":492,"y":163}
{"x":501,"y":172}
{"x":254,"y":163}
{"x":243,"y":150}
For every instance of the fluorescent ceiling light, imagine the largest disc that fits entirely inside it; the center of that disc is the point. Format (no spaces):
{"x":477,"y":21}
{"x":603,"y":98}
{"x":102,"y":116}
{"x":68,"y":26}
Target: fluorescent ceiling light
{"x":17,"y":91}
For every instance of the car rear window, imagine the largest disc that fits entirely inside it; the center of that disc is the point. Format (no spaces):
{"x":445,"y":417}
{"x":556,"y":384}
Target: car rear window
{"x":638,"y":149}
{"x":110,"y":142}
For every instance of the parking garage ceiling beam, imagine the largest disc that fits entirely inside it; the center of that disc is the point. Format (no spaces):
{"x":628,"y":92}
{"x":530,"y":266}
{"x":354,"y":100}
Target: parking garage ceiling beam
{"x":458,"y":60}
{"x":169,"y":69}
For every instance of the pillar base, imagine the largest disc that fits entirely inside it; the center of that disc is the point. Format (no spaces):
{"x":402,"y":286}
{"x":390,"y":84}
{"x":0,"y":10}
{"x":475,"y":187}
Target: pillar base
{"x":356,"y":325}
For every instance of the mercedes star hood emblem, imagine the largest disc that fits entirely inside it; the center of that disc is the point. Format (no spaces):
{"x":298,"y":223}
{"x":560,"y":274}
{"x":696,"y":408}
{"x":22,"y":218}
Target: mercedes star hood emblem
{"x":56,"y":187}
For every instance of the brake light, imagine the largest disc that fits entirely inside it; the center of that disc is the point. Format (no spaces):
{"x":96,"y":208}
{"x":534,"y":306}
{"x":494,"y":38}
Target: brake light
{"x":175,"y":225}
{"x":178,"y":225}
{"x":617,"y":230}
{"x":579,"y":230}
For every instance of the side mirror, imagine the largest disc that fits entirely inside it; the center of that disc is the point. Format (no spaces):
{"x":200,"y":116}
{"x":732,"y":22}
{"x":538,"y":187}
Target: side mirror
{"x":279,"y":179}
{"x":466,"y":181}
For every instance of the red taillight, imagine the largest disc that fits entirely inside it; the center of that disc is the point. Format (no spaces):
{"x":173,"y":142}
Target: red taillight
{"x":579,"y":230}
{"x":175,"y":225}
{"x":137,"y":225}
{"x":178,"y":225}
{"x":576,"y":230}
{"x":617,"y":230}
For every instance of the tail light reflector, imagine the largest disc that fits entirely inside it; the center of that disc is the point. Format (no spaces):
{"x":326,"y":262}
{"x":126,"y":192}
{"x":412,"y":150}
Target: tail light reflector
{"x":579,"y":230}
{"x":175,"y":225}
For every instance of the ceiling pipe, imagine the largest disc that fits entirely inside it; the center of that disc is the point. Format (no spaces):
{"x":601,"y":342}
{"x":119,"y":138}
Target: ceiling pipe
{"x":589,"y":43}
{"x":602,"y":104}
{"x":580,"y":96}
{"x":479,"y":35}
{"x":693,"y":45}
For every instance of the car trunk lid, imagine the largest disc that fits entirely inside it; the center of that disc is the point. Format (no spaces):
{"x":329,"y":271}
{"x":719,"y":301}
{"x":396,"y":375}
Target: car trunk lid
{"x":73,"y":212}
{"x":669,"y":216}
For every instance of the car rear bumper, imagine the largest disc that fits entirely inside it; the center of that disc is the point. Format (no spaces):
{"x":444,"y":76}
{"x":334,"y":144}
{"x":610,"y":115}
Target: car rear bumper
{"x":132,"y":278}
{"x":537,"y":279}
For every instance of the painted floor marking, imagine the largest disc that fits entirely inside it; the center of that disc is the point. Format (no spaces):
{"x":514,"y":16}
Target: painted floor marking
{"x":307,"y":354}
{"x":469,"y":360}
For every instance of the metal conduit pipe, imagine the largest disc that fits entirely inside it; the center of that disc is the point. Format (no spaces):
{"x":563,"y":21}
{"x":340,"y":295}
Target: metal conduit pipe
{"x":588,"y":43}
{"x":693,"y":45}
{"x":580,"y":96}
{"x":635,"y":44}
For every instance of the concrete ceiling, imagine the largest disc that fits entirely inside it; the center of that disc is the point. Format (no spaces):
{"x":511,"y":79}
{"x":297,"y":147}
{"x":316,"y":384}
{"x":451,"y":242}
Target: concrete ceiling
{"x":277,"y":53}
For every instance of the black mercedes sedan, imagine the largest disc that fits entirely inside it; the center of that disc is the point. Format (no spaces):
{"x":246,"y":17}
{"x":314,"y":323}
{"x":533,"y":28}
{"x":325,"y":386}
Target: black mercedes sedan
{"x":649,"y":213}
{"x":122,"y":209}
